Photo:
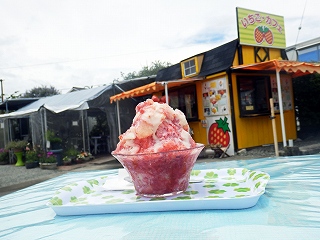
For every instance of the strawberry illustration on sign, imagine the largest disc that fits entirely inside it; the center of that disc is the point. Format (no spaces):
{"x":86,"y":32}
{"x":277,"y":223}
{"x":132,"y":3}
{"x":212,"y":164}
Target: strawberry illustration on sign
{"x":219,"y":133}
{"x":268,"y":36}
{"x":258,"y":34}
{"x":262,"y":33}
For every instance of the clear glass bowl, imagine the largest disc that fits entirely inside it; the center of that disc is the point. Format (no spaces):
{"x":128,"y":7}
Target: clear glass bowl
{"x":160,"y":174}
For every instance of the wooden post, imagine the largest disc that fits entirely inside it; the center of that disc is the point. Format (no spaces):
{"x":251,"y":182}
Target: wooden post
{"x":274,"y":127}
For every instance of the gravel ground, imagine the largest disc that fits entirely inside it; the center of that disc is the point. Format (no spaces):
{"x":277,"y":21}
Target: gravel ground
{"x":11,"y":175}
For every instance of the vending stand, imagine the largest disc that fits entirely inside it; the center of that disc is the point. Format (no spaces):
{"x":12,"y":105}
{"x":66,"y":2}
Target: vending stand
{"x":225,"y":92}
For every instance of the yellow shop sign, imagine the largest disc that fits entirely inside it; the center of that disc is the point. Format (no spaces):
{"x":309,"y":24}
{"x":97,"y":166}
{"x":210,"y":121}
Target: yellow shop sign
{"x":260,"y":29}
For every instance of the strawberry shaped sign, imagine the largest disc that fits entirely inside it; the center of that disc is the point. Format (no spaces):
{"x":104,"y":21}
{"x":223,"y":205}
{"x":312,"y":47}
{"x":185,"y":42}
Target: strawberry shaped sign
{"x":263,"y":33}
{"x":219,"y":133}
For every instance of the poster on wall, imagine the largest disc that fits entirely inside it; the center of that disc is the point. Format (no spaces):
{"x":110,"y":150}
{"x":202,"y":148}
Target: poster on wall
{"x":286,"y":91}
{"x":260,"y":29}
{"x":214,"y":96}
{"x":217,"y":114}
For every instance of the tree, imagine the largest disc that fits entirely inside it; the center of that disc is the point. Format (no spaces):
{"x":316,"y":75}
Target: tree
{"x":14,"y":95}
{"x":146,"y":70}
{"x":42,"y":91}
{"x":307,"y":101}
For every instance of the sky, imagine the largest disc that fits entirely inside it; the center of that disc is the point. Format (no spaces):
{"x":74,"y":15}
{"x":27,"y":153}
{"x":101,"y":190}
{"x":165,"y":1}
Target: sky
{"x":85,"y":43}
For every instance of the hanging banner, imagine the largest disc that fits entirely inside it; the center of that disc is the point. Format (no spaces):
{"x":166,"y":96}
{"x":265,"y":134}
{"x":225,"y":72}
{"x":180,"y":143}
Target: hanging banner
{"x":260,"y":29}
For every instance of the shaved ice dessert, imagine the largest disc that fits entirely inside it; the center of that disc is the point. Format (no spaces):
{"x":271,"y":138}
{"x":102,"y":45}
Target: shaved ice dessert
{"x":157,"y":150}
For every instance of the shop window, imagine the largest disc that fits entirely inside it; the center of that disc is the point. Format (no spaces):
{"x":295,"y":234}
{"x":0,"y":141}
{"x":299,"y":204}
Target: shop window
{"x":192,"y":66}
{"x":189,"y":67}
{"x":254,"y":94}
{"x":185,"y":99}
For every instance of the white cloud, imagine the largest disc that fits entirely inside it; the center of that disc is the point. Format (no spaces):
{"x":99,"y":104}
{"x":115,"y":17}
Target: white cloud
{"x":66,"y":43}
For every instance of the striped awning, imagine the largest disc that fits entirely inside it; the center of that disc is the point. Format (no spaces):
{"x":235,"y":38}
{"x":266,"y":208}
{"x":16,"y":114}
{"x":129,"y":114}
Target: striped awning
{"x":296,"y":68}
{"x":151,"y":88}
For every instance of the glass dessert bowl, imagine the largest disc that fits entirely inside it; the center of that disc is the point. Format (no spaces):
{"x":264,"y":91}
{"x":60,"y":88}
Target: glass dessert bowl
{"x":160,"y":174}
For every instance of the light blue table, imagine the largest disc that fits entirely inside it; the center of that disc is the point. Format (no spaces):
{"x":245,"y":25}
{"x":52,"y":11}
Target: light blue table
{"x":290,"y":209}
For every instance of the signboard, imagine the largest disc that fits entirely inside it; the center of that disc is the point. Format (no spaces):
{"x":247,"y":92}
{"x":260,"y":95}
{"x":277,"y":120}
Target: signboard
{"x":260,"y":29}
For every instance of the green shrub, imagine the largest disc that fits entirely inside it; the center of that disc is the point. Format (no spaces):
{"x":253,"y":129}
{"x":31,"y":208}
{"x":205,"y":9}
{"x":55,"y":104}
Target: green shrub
{"x":49,"y":158}
{"x":21,"y":144}
{"x":31,"y":156}
{"x":4,"y":156}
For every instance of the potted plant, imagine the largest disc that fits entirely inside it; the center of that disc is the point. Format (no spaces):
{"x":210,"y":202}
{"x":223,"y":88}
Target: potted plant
{"x":55,"y":145}
{"x":32,"y":159}
{"x":71,"y":154}
{"x":84,"y":156}
{"x":4,"y":156}
{"x":49,"y":161}
{"x":17,"y":147}
{"x":67,"y":160}
{"x":54,"y":139}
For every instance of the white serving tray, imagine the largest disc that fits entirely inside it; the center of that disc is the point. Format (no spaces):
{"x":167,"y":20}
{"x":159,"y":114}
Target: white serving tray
{"x":228,"y":188}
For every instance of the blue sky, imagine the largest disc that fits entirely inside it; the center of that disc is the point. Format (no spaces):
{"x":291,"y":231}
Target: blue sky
{"x":77,"y":43}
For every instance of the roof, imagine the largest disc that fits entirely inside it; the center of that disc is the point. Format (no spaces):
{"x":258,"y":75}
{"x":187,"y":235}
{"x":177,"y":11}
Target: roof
{"x":81,"y":99}
{"x":305,"y":44}
{"x":219,"y":59}
{"x":216,"y":60}
{"x":16,"y":103}
{"x":58,"y":103}
{"x":169,"y":73}
{"x":296,"y":68}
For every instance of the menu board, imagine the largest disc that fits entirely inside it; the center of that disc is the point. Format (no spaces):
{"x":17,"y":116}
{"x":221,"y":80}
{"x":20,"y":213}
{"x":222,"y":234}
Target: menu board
{"x":286,"y":91}
{"x":214,"y":96}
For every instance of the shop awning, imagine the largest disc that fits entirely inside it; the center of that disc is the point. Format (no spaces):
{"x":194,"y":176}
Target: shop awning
{"x":296,"y":68}
{"x":151,"y":88}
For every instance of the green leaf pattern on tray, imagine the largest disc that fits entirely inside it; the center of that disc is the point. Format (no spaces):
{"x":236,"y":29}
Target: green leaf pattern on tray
{"x":191,"y":192}
{"x":56,"y":201}
{"x":210,"y":175}
{"x":217,"y":184}
{"x":67,"y":188}
{"x":93,"y":182}
{"x":157,"y":198}
{"x":214,"y":196}
{"x":195,"y":172}
{"x":217,"y":191}
{"x":128,"y":191}
{"x":242,"y":189}
{"x":231,"y":171}
{"x":87,"y":190}
{"x":231,"y":184}
{"x":182,"y":198}
{"x":116,"y":200}
{"x":244,"y":171}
